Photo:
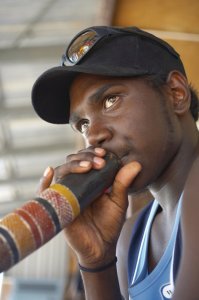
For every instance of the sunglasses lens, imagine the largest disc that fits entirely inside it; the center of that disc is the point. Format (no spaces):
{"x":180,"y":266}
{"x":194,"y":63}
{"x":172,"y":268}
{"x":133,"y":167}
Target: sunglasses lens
{"x":81,"y":45}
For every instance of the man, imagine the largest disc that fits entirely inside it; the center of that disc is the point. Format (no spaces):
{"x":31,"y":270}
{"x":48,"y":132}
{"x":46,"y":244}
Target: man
{"x":126,"y":92}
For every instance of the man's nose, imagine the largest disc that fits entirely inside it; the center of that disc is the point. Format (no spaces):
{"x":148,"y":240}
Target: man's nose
{"x":99,"y":134}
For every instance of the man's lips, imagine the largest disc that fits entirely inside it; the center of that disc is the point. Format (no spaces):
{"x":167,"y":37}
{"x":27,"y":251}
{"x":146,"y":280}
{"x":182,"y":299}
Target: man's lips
{"x":123,"y":156}
{"x":124,"y":159}
{"x":127,"y":158}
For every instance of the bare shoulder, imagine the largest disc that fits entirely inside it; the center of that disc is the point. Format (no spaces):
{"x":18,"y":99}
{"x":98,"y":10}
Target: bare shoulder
{"x":122,"y":253}
{"x":190,"y":205}
{"x":125,"y":236}
{"x":187,"y":281}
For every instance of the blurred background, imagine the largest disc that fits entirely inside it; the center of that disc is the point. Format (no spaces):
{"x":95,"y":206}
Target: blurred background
{"x":33,"y":37}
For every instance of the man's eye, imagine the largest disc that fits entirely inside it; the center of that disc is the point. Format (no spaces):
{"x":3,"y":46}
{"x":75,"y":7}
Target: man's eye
{"x":109,"y":101}
{"x":83,"y":126}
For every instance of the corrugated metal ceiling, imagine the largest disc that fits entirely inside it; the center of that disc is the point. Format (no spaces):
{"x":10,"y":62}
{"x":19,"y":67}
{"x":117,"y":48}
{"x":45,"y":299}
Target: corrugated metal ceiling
{"x":33,"y":36}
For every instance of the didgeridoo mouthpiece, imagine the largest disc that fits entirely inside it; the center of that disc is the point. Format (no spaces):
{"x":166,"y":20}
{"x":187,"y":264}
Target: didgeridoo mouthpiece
{"x":37,"y":221}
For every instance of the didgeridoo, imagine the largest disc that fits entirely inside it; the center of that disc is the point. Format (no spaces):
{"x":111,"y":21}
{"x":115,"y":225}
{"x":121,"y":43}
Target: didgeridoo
{"x":36,"y":222}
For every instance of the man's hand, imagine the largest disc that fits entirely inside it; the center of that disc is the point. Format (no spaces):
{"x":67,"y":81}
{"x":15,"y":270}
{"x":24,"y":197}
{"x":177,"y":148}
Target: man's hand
{"x":94,"y":233}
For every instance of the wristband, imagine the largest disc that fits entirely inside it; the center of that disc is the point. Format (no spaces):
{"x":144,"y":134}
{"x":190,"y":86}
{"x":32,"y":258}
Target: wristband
{"x":99,"y":269}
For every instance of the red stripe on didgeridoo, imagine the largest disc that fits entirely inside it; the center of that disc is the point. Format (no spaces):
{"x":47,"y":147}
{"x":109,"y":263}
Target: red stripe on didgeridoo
{"x":60,"y":204}
{"x":42,"y":218}
{"x":31,"y":224}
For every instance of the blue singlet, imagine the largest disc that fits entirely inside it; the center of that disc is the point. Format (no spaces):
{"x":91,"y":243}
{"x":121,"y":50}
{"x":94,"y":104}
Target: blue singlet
{"x":159,"y":284}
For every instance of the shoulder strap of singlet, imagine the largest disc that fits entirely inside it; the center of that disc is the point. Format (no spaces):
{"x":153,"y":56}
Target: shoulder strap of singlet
{"x":177,"y":254}
{"x":136,"y":238}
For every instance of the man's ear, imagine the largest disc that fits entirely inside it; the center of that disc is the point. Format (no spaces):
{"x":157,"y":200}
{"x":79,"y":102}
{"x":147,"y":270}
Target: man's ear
{"x":180,"y":92}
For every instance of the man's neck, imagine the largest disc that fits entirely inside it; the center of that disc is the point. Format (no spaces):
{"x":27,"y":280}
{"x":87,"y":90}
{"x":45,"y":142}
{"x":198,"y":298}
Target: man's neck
{"x":169,"y":186}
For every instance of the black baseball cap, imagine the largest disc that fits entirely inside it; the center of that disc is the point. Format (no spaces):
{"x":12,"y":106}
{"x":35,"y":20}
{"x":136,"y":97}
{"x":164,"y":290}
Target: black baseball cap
{"x":101,"y":50}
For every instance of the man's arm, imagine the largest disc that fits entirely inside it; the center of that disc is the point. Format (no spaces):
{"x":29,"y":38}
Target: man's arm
{"x":102,"y":285}
{"x":187,"y":282}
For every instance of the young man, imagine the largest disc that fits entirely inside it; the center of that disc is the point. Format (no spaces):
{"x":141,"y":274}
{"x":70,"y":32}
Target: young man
{"x":126,"y":92}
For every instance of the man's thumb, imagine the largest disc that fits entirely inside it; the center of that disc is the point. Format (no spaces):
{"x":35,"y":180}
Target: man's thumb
{"x":127,"y":173}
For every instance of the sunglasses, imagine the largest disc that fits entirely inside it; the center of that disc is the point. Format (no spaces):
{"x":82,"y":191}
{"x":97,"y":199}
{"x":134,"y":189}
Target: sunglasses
{"x":83,"y":42}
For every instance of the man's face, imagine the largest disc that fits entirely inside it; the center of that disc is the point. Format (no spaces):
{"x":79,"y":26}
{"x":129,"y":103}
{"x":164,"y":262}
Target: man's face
{"x":128,"y":117}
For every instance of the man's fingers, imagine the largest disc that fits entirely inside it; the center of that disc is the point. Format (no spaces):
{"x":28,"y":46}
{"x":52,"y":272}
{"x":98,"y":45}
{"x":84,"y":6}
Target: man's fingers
{"x":46,"y":179}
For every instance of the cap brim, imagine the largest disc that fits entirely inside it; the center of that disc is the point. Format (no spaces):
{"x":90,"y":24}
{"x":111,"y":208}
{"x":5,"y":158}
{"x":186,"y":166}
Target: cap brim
{"x":50,"y":92}
{"x":50,"y":97}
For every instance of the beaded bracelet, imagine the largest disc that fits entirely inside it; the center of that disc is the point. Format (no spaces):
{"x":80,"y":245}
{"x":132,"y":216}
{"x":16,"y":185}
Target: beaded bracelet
{"x":99,"y":269}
